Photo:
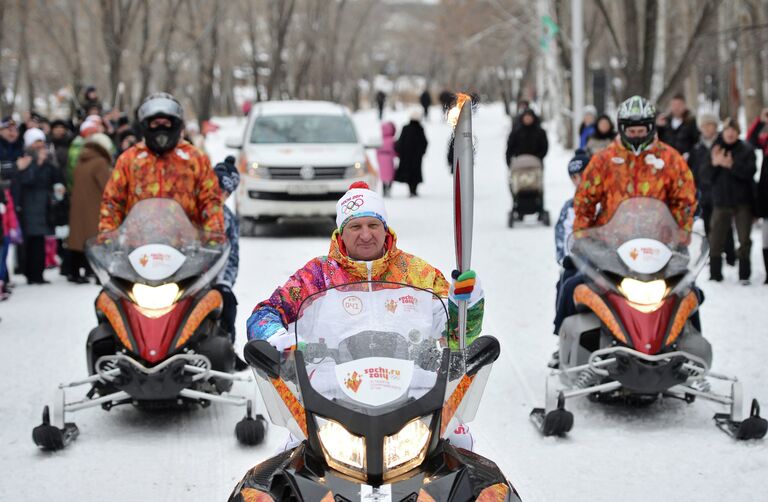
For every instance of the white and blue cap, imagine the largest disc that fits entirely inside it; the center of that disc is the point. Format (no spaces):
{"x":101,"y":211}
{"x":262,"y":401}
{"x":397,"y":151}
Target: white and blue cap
{"x":578,"y":163}
{"x":359,"y":201}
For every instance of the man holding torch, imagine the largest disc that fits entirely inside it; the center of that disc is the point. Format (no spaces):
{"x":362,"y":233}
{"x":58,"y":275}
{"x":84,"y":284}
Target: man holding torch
{"x":364,"y":247}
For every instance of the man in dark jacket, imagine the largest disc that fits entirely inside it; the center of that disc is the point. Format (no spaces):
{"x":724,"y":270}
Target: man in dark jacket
{"x":411,"y":147}
{"x":11,"y":148}
{"x":529,"y":138}
{"x":731,"y":177}
{"x":678,"y":128}
{"x":61,"y":137}
{"x":758,"y":137}
{"x":426,"y":101}
{"x":700,"y":162}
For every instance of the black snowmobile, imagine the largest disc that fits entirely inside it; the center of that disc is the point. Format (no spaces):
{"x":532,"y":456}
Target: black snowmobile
{"x":371,"y":391}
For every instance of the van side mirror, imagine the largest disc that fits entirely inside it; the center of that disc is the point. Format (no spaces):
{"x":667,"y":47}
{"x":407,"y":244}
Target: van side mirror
{"x":233,"y":142}
{"x":482,"y":352}
{"x":263,"y":356}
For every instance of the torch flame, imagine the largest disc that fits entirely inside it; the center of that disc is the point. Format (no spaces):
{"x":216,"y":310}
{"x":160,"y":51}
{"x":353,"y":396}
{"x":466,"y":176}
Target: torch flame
{"x":453,"y":113}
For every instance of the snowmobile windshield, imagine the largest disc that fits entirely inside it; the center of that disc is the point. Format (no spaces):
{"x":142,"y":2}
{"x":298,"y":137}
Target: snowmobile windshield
{"x":372,"y":346}
{"x":155,"y":245}
{"x":641,"y":241}
{"x":276,"y":129}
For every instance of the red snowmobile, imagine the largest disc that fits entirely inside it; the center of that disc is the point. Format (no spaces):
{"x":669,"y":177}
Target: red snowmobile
{"x":158,"y":343}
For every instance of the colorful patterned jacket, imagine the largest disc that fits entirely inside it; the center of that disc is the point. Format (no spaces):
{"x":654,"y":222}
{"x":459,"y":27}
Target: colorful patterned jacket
{"x":281,"y":309}
{"x":183,"y":174}
{"x":616,"y":174}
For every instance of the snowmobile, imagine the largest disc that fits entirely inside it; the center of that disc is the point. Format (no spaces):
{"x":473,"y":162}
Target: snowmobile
{"x":526,"y":184}
{"x":370,"y":390}
{"x":635,"y":337}
{"x":158,"y":343}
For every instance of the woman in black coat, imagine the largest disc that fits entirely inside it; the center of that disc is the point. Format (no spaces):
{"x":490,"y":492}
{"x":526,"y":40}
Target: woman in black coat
{"x":36,"y":179}
{"x":529,"y":138}
{"x":411,"y":147}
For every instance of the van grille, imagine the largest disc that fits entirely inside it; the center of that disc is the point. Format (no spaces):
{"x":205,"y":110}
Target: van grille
{"x":294,"y":173}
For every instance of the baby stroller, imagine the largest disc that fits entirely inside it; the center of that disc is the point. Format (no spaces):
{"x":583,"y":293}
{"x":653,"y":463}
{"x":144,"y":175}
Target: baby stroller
{"x":526,"y":183}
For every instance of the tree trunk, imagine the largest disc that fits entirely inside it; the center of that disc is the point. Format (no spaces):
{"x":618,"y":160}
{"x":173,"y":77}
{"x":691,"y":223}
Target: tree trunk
{"x":117,"y":17}
{"x":208,"y":63}
{"x":675,"y":80}
{"x":24,"y":54}
{"x":752,"y":43}
{"x":282,"y":12}
{"x":649,"y":44}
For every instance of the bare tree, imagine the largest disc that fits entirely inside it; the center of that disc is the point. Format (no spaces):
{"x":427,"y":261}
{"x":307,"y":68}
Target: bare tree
{"x":117,"y":18}
{"x":280,"y":14}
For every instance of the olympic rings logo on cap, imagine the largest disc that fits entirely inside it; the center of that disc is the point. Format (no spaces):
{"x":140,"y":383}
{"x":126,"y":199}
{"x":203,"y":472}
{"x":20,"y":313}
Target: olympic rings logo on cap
{"x":352,"y":206}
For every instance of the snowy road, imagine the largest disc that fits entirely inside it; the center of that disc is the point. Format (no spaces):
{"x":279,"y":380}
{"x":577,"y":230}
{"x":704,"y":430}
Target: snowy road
{"x":670,"y":451}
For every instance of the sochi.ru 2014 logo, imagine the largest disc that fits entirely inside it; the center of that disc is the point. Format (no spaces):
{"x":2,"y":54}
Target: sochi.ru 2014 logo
{"x":353,"y":381}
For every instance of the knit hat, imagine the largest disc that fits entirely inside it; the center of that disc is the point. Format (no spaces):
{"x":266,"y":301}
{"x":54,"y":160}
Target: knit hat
{"x":358,"y":202}
{"x":91,"y":125}
{"x":102,"y":140}
{"x":227,"y":173}
{"x":708,"y":118}
{"x":7,"y":122}
{"x":578,"y":163}
{"x":32,"y":135}
{"x":589,"y":110}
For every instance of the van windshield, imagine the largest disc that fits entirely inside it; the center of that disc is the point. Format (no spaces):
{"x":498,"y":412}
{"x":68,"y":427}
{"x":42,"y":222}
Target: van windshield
{"x":275,"y":129}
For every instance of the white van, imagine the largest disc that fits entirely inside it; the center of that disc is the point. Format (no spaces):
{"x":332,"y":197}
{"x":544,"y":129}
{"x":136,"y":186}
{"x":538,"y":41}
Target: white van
{"x":297,"y":158}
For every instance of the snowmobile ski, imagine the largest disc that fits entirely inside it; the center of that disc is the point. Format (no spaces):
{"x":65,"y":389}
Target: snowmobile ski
{"x":52,"y":438}
{"x":556,"y":422}
{"x":753,"y":427}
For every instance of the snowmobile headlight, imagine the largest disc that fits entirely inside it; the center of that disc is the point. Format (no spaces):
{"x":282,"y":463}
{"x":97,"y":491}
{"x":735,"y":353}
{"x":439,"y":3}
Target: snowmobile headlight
{"x":158,"y":298}
{"x":343,"y":451}
{"x":644,"y":296}
{"x":406,"y":449}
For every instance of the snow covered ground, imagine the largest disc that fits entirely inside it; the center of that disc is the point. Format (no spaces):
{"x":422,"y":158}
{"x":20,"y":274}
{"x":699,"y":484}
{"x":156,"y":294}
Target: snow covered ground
{"x":670,"y":451}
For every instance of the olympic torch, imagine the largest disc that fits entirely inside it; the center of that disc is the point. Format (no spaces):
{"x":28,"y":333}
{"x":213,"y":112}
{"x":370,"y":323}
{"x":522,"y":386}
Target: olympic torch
{"x":460,"y":116}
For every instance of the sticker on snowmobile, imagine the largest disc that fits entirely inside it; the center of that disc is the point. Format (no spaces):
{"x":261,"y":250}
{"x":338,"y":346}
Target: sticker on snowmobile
{"x":370,"y":493}
{"x":375,"y":381}
{"x":645,"y":256}
{"x":156,"y":261}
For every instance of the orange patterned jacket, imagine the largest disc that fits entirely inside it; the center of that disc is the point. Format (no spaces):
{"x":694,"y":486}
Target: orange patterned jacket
{"x":616,"y":174}
{"x":183,"y":174}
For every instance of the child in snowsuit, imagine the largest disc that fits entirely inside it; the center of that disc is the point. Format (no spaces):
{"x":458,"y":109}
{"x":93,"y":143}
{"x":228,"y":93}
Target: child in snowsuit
{"x":564,"y":225}
{"x":229,"y":178}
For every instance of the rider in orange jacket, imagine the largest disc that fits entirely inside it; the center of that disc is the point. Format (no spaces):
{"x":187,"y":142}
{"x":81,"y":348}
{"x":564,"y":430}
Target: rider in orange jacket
{"x":165,"y":166}
{"x":636,"y":164}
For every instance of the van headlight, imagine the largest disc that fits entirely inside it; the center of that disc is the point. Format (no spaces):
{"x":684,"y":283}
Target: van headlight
{"x":644,"y":296}
{"x":357,"y":170}
{"x":158,"y":298}
{"x":343,"y":451}
{"x":406,"y":449}
{"x":256,"y":170}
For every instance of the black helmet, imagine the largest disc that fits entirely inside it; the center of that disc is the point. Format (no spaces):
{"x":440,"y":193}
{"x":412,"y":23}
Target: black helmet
{"x":636,"y":111}
{"x":161,"y":105}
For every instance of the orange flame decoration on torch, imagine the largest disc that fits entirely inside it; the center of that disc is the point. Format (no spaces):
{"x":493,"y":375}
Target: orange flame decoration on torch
{"x":453,"y":113}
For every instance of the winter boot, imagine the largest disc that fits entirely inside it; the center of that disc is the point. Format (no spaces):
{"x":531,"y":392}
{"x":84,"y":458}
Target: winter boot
{"x":715,"y":269}
{"x":745,"y":270}
{"x":765,"y":261}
